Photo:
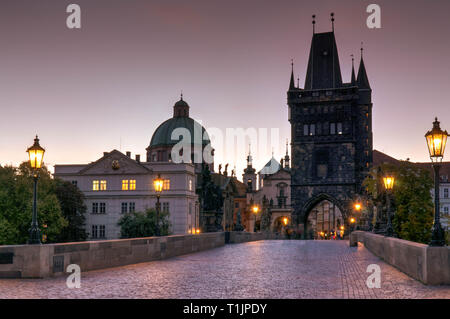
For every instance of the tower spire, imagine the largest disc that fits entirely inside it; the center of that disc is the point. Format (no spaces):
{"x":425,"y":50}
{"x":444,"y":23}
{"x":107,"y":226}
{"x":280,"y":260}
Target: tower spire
{"x":353,"y":70}
{"x":332,"y":21}
{"x":286,"y":157}
{"x":292,"y":83}
{"x":314,"y":23}
{"x":362,"y":80}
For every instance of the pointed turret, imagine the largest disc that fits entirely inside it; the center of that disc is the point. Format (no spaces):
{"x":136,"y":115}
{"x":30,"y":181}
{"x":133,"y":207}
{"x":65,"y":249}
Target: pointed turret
{"x":292,"y":83}
{"x":353,"y":71}
{"x":363,"y":80}
{"x":286,"y":157}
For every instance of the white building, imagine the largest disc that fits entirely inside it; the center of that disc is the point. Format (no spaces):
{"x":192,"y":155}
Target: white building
{"x":116,"y":184}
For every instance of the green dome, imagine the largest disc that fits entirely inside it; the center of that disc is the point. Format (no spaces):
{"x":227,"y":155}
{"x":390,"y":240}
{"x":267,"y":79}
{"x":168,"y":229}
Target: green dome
{"x":163,"y":133}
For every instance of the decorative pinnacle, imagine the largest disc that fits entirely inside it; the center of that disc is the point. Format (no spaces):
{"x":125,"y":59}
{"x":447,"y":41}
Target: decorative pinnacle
{"x":314,"y":23}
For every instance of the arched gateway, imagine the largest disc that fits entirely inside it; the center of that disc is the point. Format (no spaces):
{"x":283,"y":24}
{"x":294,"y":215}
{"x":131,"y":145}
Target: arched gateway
{"x":331,"y":128}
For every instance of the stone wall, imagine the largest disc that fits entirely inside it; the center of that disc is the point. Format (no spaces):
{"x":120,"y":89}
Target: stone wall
{"x":430,"y":265}
{"x":41,"y":261}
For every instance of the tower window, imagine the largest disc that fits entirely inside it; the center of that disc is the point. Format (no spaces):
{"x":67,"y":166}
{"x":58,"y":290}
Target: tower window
{"x":312,"y":129}
{"x":332,"y":128}
{"x":339,"y":128}
{"x":305,"y":130}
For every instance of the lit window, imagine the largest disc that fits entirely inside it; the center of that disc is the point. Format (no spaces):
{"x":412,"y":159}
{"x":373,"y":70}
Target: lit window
{"x":166,"y":184}
{"x":95,"y":185}
{"x":190,"y":184}
{"x":103,"y":185}
{"x":124,"y":184}
{"x":132,"y":184}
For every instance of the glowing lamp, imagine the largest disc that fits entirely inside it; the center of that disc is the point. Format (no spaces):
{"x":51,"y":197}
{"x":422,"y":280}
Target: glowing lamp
{"x":389,"y":182}
{"x":255,"y":209}
{"x":436,"y":140}
{"x":285,"y":221}
{"x":358,"y":207}
{"x":158,"y":184}
{"x":36,"y":154}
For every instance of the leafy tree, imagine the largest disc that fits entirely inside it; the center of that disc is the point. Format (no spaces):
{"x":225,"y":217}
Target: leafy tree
{"x":71,"y":201}
{"x":143,"y":224}
{"x":411,"y":199}
{"x":16,"y":197}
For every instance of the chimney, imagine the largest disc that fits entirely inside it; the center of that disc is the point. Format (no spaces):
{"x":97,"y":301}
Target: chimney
{"x":138,"y":158}
{"x":128,"y":154}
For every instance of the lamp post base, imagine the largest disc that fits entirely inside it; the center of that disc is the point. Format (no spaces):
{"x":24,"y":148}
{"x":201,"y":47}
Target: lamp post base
{"x":437,"y":235}
{"x":35,"y":236}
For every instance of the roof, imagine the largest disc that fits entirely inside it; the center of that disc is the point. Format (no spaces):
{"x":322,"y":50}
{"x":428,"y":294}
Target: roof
{"x":381,"y":158}
{"x":324,"y":71}
{"x":363,"y":80}
{"x":271,"y":167}
{"x":163,"y":134}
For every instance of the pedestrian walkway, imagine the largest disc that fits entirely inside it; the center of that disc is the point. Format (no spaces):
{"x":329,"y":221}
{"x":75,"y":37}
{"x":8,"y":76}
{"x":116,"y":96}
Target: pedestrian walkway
{"x":262,"y":269}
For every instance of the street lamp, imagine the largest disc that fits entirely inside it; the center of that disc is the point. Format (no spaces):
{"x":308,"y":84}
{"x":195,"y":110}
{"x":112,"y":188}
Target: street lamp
{"x":285,"y":221}
{"x":255,"y":210}
{"x":158,"y":185}
{"x":36,"y":156}
{"x":388,"y":181}
{"x":436,"y":140}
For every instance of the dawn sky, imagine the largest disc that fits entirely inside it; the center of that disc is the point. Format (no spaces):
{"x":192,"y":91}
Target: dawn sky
{"x":110,"y":84}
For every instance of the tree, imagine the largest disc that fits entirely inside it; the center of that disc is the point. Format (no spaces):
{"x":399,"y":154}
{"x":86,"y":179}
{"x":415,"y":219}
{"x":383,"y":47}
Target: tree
{"x":71,"y":201}
{"x":143,"y":224}
{"x":16,"y":197}
{"x":411,"y":199}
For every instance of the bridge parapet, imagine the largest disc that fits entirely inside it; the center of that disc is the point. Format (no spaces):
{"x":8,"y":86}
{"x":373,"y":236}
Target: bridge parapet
{"x":430,"y":265}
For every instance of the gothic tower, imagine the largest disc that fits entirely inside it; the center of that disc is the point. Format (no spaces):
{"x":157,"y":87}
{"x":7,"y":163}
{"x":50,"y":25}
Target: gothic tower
{"x":331,"y":132}
{"x":249,"y":176}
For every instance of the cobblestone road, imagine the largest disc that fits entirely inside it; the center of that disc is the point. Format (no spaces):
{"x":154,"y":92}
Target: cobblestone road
{"x":263,"y":269}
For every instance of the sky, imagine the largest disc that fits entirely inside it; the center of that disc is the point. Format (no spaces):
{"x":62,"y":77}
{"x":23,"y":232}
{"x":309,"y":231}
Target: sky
{"x":110,"y":84}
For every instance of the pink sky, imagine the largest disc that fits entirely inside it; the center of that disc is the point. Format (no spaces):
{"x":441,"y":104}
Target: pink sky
{"x":111,"y":83}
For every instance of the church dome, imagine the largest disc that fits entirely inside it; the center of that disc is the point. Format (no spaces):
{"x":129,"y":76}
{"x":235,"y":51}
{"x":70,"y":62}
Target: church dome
{"x":163,"y":134}
{"x":180,"y":119}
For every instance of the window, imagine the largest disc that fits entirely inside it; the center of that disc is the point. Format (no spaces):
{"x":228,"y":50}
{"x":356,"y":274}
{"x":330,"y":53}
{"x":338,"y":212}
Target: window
{"x":446,"y":210}
{"x":165,"y":207}
{"x":102,"y":231}
{"x":190,"y":184}
{"x":166,"y":184}
{"x":339,"y":128}
{"x":124,"y":208}
{"x":132,"y":184}
{"x":94,"y":208}
{"x":103,"y":185}
{"x":75,"y":183}
{"x":305,"y":129}
{"x":94,"y":233}
{"x":102,"y":208}
{"x":445,"y":192}
{"x":124,"y":184}
{"x":319,"y":128}
{"x":95,"y":185}
{"x":236,"y":205}
{"x":332,"y":128}
{"x":132,"y":207}
{"x":312,"y":129}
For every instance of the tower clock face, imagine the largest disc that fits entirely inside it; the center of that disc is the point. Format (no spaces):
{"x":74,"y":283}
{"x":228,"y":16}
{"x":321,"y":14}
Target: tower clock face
{"x":115,"y":165}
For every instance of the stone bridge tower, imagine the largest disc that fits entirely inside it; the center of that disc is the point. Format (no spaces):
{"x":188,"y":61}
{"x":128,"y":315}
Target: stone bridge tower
{"x":331,"y":131}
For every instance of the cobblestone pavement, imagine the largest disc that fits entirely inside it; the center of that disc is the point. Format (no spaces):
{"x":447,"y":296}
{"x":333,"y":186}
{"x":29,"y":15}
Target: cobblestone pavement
{"x":263,"y":269}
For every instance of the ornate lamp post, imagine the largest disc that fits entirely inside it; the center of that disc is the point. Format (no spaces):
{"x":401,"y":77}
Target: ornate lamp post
{"x":255,"y":210}
{"x":357,"y":208}
{"x":436,"y":140}
{"x":36,"y":157}
{"x":388,"y":181}
{"x":158,"y":185}
{"x":352,"y":222}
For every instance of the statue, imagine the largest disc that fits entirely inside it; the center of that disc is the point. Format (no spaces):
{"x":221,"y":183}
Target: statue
{"x":226,"y":170}
{"x":220,"y":169}
{"x":238,"y":226}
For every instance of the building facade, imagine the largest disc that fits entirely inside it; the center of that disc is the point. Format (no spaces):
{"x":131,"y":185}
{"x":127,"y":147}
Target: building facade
{"x":331,"y":132}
